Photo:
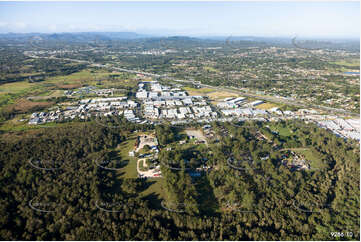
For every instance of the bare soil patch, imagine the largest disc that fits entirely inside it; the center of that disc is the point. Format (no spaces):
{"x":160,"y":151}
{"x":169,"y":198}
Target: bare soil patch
{"x":69,"y":86}
{"x":23,"y":105}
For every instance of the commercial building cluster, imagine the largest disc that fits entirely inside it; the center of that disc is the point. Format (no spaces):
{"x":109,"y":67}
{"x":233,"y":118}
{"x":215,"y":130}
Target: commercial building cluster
{"x":86,"y":108}
{"x":154,"y":103}
{"x":349,"y":128}
{"x":163,"y":102}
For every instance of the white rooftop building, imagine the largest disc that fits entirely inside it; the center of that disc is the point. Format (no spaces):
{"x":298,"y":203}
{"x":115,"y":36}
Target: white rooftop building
{"x":156,"y":87}
{"x":226,"y":105}
{"x":153,"y":95}
{"x":142,"y":95}
{"x":187,"y":101}
{"x":237,"y":100}
{"x":255,"y":103}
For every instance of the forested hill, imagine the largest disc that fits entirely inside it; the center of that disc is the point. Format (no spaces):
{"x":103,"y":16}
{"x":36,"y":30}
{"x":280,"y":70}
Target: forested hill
{"x":71,"y":198}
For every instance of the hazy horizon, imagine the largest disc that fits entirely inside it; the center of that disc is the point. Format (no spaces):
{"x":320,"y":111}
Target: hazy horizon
{"x":197,"y":19}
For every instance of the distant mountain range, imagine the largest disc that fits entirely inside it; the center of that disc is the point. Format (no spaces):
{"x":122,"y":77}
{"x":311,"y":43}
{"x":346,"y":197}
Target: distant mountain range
{"x":80,"y":37}
{"x":84,"y":36}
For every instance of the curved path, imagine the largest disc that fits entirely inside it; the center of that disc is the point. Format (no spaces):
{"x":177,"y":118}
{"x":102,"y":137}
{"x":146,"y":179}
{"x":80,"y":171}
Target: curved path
{"x":148,"y":173}
{"x":294,"y":149}
{"x":106,"y":210}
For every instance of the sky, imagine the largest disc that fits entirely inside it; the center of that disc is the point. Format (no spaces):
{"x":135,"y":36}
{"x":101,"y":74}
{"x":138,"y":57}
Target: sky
{"x":276,"y":19}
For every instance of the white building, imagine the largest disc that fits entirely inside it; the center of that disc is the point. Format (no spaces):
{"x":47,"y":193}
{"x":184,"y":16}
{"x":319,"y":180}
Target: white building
{"x":255,"y":103}
{"x":142,"y":95}
{"x":156,"y":87}
{"x":153,"y":95}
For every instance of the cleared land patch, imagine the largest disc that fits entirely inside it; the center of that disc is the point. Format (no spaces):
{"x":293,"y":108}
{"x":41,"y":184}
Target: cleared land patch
{"x":211,"y":69}
{"x":221,"y":95}
{"x":130,"y":170}
{"x":68,"y":86}
{"x":198,"y":91}
{"x":266,"y":106}
{"x":313,"y":157}
{"x":196,"y":134}
{"x":350,"y":63}
{"x":23,"y":105}
{"x":283,"y":131}
{"x":51,"y":94}
{"x":16,"y":87}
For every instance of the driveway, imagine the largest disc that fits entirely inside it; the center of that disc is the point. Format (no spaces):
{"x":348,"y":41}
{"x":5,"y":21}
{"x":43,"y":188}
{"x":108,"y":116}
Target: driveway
{"x":149,"y":173}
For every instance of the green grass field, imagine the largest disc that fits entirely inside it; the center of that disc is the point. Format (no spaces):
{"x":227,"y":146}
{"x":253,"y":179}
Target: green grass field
{"x":11,"y":92}
{"x":283,"y":131}
{"x":130,"y":170}
{"x":142,"y":167}
{"x":155,"y":188}
{"x":350,"y":63}
{"x":313,"y":157}
{"x":16,"y":87}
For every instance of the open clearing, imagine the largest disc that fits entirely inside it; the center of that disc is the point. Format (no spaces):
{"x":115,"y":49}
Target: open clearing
{"x":283,"y":131}
{"x":23,"y":105}
{"x":11,"y":92}
{"x":197,"y":134}
{"x":143,"y":171}
{"x":266,"y":106}
{"x":350,"y":63}
{"x":310,"y":155}
{"x":221,"y":95}
{"x":69,"y":86}
{"x":198,"y":91}
{"x":314,"y":158}
{"x":146,"y":140}
{"x":130,"y":170}
{"x":211,"y":69}
{"x":16,"y":87}
{"x":50,"y":94}
{"x":155,"y":192}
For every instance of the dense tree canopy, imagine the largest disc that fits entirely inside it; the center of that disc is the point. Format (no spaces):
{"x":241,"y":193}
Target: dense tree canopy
{"x":85,"y":202}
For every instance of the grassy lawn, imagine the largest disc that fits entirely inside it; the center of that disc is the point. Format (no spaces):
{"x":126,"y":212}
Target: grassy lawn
{"x":16,"y":87}
{"x":141,"y":166}
{"x":83,"y":76}
{"x":283,"y":131}
{"x":155,"y":192}
{"x":9,"y":92}
{"x":130,"y":170}
{"x":350,"y":63}
{"x":314,"y":158}
{"x":157,"y":187}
